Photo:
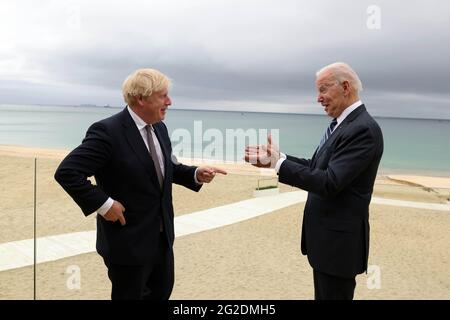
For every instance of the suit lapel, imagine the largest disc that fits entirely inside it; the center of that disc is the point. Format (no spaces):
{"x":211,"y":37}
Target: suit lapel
{"x":336,"y":133}
{"x":330,"y":140}
{"x":137,"y":144}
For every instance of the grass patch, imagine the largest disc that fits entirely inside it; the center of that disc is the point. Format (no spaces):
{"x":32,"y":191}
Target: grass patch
{"x":266,"y":187}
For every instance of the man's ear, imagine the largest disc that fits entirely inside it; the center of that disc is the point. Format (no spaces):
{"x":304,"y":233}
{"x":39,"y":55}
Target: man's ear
{"x":140,"y":100}
{"x":346,"y":87}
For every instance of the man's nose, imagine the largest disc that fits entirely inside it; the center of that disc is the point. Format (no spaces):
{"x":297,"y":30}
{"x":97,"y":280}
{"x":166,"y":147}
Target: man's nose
{"x":319,"y":98}
{"x":169,"y":101}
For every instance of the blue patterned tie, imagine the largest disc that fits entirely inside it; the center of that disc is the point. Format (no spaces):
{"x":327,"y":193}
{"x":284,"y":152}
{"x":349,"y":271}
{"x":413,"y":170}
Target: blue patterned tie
{"x":327,"y":133}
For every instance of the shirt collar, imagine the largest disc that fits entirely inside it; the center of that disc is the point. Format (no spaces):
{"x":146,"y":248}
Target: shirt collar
{"x":347,"y":111}
{"x":140,"y":124}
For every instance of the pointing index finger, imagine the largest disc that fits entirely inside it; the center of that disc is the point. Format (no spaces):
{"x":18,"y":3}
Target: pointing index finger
{"x":218,"y":170}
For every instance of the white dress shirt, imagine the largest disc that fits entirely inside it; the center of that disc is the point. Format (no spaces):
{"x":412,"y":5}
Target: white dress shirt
{"x":141,"y":124}
{"x":346,"y":112}
{"x":339,"y":119}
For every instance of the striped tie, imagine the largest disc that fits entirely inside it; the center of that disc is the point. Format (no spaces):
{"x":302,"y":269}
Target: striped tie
{"x":153,"y":154}
{"x":327,"y":133}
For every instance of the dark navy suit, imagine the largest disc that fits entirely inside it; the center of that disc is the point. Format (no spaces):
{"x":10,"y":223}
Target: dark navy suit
{"x":339,"y":179}
{"x":114,"y":152}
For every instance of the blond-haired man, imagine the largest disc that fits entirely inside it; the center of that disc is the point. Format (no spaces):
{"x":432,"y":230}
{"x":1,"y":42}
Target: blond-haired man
{"x":130,"y":155}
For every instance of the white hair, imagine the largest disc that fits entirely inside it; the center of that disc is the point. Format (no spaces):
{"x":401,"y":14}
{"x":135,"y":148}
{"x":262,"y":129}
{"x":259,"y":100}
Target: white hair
{"x":343,"y":72}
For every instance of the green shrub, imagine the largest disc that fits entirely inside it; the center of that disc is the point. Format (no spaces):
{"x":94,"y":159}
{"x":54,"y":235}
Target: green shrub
{"x":266,"y":187}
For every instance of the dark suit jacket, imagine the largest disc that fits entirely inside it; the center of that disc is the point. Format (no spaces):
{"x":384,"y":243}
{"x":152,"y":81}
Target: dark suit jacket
{"x":339,"y":179}
{"x":114,"y":152}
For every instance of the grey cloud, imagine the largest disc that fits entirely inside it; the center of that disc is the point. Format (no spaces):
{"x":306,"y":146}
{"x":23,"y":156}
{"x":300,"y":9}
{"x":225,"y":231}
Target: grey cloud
{"x":243,"y":53}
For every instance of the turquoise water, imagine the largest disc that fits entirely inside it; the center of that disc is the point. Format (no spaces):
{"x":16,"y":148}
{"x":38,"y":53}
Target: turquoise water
{"x":411,"y":145}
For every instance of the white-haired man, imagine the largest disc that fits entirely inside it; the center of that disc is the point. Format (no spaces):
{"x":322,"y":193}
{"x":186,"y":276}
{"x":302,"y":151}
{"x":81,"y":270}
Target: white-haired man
{"x":339,"y":179}
{"x":130,"y":155}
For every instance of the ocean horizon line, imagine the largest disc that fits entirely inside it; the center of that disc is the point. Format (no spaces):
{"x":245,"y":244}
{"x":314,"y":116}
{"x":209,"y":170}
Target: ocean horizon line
{"x":107,"y":106}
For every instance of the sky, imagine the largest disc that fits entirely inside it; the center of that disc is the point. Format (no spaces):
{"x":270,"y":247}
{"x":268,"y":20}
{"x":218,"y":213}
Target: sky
{"x":228,"y":55}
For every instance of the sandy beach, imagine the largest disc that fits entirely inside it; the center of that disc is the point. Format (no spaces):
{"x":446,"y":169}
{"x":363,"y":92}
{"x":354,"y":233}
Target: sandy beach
{"x":256,"y":259}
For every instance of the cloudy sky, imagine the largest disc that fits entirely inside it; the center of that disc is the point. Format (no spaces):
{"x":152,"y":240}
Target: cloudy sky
{"x":256,"y":55}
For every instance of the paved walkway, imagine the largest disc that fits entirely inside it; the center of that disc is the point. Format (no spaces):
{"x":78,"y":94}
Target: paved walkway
{"x":19,"y":254}
{"x":411,"y":204}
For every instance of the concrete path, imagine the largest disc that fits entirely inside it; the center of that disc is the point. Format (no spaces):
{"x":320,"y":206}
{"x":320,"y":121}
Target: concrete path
{"x":412,"y":204}
{"x":19,"y":254}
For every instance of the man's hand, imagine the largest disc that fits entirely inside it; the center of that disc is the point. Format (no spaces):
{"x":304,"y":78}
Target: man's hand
{"x":207,"y":174}
{"x":115,"y":213}
{"x":263,"y":156}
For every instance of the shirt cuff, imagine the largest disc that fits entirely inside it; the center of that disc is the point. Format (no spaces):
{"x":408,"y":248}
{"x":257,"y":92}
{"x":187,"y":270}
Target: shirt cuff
{"x":280,"y":161}
{"x":195,"y":178}
{"x":105,"y":207}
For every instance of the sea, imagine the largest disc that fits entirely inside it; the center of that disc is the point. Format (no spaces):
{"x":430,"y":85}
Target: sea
{"x":411,"y":146}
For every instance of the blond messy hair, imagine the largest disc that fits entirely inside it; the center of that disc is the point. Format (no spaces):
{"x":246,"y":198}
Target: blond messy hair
{"x":143,"y":82}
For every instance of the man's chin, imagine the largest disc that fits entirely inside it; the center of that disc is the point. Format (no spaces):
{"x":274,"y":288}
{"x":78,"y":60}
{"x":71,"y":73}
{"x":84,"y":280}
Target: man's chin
{"x":329,"y":113}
